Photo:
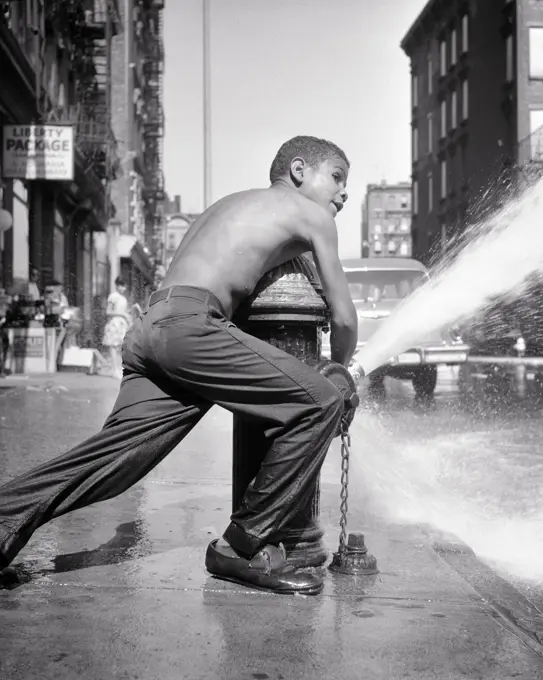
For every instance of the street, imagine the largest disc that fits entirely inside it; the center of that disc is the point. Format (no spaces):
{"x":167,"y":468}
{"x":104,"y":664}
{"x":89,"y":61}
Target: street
{"x":119,"y":589}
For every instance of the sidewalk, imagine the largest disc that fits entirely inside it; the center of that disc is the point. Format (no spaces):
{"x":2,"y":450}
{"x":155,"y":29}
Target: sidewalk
{"x":61,"y":380}
{"x":119,"y":590}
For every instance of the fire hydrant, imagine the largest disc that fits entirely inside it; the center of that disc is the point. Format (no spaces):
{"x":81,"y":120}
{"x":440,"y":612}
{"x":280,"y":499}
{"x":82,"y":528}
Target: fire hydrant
{"x":287,"y":310}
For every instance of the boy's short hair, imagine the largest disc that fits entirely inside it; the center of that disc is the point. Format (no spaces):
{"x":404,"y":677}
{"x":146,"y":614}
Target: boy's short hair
{"x":313,"y":150}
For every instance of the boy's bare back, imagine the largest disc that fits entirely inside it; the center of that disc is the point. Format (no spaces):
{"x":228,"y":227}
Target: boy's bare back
{"x":241,"y":237}
{"x":237,"y":240}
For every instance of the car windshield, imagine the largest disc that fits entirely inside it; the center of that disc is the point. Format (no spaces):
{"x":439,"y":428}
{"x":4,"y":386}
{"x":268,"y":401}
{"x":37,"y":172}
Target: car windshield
{"x":373,"y":286}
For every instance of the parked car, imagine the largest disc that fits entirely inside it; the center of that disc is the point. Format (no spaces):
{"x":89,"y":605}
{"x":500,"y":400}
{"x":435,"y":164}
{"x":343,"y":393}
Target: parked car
{"x":378,"y":286}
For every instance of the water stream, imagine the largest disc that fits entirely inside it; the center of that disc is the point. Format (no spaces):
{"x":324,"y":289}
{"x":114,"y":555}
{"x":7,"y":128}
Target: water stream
{"x":493,"y":258}
{"x":486,"y":485}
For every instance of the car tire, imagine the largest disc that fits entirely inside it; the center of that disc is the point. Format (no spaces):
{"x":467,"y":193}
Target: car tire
{"x":425,"y":381}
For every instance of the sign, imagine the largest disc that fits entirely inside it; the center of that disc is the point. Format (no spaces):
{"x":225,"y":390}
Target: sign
{"x":32,"y":350}
{"x":38,"y":152}
{"x":28,"y":345}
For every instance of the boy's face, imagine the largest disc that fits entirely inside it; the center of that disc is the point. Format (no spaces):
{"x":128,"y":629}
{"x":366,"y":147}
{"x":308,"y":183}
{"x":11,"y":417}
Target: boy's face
{"x":326,"y":184}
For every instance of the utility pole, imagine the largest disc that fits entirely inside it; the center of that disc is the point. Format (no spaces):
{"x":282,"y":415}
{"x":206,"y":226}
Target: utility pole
{"x":207,"y":103}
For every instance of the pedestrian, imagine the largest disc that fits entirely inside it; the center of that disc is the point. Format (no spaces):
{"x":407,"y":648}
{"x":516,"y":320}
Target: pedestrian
{"x":56,"y":302}
{"x":117,"y":324}
{"x":184,"y":354}
{"x":33,"y":291}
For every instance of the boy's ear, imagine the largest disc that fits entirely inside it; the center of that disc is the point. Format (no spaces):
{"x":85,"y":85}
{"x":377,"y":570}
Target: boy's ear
{"x":297,"y":169}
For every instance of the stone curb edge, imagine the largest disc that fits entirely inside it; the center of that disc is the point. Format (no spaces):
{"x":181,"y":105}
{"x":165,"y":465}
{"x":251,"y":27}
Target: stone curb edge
{"x":510,"y":607}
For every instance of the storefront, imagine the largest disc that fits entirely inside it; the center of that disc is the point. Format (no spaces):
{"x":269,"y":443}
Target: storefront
{"x":52,"y":231}
{"x":50,"y":184}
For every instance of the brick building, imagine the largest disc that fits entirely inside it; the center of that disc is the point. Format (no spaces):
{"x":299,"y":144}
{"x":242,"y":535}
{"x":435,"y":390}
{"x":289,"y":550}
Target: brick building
{"x":477,"y":103}
{"x":94,"y":67}
{"x":51,"y":72}
{"x":386,"y":220}
{"x":135,"y":235}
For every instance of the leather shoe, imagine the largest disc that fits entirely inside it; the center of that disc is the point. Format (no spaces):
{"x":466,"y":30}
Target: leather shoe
{"x":9,"y":578}
{"x":267,"y":570}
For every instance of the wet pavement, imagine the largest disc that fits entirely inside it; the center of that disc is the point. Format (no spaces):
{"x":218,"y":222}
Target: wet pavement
{"x":119,"y":589}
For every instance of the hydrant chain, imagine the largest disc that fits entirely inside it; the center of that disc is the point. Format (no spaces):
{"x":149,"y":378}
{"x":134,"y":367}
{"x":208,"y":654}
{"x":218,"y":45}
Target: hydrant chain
{"x":344,"y":506}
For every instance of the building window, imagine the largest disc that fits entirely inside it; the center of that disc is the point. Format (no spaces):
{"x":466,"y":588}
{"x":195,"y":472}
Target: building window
{"x":443,"y":179}
{"x":415,"y":144}
{"x":415,"y":197}
{"x":536,"y":53}
{"x":404,"y":249}
{"x":465,"y":100}
{"x":465,"y":30}
{"x":430,"y":75}
{"x":536,"y":130}
{"x":430,"y":192}
{"x":443,"y":237}
{"x":377,"y":229}
{"x":509,"y":59}
{"x":404,"y":201}
{"x":453,"y":47}
{"x":463,"y":164}
{"x":415,"y":90}
{"x":430,"y":133}
{"x":404,"y":224}
{"x":58,"y":248}
{"x":377,"y":247}
{"x":391,"y":247}
{"x":443,"y":118}
{"x":443,"y":57}
{"x":454,"y":107}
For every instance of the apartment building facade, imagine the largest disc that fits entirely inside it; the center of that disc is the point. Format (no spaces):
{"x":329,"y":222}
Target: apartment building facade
{"x":386,"y":220}
{"x":137,"y":119}
{"x":52,"y":78}
{"x":477,"y":107}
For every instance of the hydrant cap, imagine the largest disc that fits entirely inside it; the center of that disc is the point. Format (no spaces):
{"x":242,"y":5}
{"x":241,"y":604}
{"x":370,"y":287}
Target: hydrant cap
{"x":339,"y":376}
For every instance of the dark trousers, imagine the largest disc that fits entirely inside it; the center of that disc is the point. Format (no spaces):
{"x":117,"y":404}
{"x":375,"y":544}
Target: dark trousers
{"x":181,"y":357}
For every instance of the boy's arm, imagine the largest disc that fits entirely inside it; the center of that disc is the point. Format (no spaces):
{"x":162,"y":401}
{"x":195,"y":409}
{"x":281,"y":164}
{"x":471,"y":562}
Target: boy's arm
{"x":344,"y":321}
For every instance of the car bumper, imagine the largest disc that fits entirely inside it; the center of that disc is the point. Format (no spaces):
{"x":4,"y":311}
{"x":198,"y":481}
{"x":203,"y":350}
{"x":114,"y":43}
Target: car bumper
{"x":423,"y":356}
{"x":450,"y":354}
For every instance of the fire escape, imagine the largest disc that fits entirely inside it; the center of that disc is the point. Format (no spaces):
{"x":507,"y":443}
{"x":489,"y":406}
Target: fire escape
{"x":88,"y":26}
{"x":153,"y":133}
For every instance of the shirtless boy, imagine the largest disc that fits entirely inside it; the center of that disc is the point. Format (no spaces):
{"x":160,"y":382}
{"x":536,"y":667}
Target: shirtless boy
{"x":184,"y":354}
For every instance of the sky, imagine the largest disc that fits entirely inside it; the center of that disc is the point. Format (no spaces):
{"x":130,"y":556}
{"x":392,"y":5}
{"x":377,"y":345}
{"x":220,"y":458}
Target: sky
{"x":280,"y":68}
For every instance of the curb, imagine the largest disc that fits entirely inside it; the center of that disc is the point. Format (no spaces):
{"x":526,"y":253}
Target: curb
{"x":509,"y":607}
